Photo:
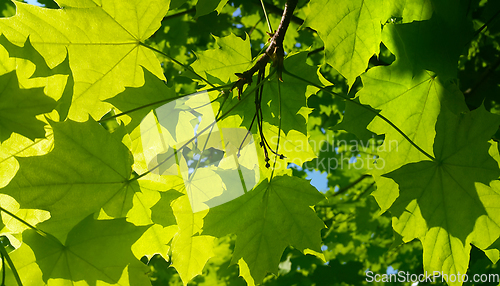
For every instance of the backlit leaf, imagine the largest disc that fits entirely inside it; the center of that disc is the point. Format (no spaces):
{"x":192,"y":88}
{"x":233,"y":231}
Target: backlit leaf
{"x":58,"y":180}
{"x":18,"y":108}
{"x":459,"y":178}
{"x":103,"y":41}
{"x":266,"y":220}
{"x":46,"y":261}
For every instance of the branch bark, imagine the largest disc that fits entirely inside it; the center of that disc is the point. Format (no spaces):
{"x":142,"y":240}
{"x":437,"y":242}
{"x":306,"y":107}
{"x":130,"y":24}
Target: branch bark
{"x":274,"y":52}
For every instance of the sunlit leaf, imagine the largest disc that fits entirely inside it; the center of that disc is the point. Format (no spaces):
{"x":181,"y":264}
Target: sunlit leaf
{"x":266,"y":220}
{"x":58,"y":180}
{"x":459,"y":178}
{"x":103,"y":41}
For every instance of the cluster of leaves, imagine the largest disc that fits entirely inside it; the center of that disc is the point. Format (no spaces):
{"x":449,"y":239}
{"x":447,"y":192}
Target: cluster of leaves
{"x":400,"y":95}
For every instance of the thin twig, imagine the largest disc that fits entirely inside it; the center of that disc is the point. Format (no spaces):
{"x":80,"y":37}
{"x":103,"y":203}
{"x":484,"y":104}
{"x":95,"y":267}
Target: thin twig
{"x":353,"y":200}
{"x":279,"y":130}
{"x":367,"y":108}
{"x":483,"y":27}
{"x":39,"y":231}
{"x":4,"y":269}
{"x":267,"y":18}
{"x":315,"y":51}
{"x":217,"y":118}
{"x":253,"y":28}
{"x":364,"y":191}
{"x":186,"y":67}
{"x":159,"y":102}
{"x":11,"y":264}
{"x":346,"y":188}
{"x":491,"y":68}
{"x":189,"y":11}
{"x":273,"y":52}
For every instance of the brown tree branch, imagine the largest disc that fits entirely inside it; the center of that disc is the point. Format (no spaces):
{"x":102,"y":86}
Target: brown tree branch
{"x":274,"y":52}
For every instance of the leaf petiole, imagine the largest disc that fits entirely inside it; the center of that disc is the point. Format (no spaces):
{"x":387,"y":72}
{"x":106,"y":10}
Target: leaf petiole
{"x":188,"y":68}
{"x":6,"y":256}
{"x":40,"y":232}
{"x":365,"y":107}
{"x":160,"y":102}
{"x":267,"y":18}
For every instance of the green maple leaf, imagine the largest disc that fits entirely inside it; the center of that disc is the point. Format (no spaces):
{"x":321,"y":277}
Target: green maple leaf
{"x":18,"y":145}
{"x":174,"y":4}
{"x":352,"y":33}
{"x":232,"y":56}
{"x":60,"y":180}
{"x":431,"y":44}
{"x":142,"y":202}
{"x":14,"y":226}
{"x":89,"y":171}
{"x":102,"y":40}
{"x":284,"y":104}
{"x":29,"y":53}
{"x":94,"y":252}
{"x":154,"y":93}
{"x":267,"y":220}
{"x":162,"y":212}
{"x":204,"y":7}
{"x":356,"y":120}
{"x":403,"y":11}
{"x":190,"y":250}
{"x":158,"y":211}
{"x":421,"y":92}
{"x":387,"y":89}
{"x":18,"y":108}
{"x":290,"y":96}
{"x":150,"y":206}
{"x":155,"y":241}
{"x":446,"y":203}
{"x":493,"y":251}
